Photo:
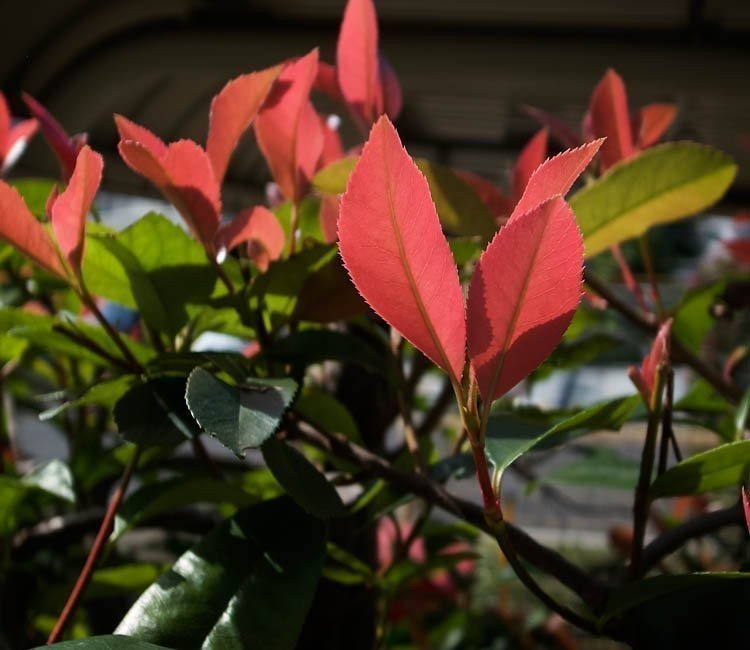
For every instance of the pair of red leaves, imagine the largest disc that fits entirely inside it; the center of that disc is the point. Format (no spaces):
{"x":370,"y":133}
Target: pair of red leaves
{"x":190,"y":177}
{"x":609,"y":117}
{"x":526,"y":286}
{"x":63,"y":254}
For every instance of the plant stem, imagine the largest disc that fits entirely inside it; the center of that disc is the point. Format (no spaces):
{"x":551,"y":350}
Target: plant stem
{"x":649,"y":264}
{"x":97,"y":548}
{"x":667,"y":430}
{"x":628,"y":278}
{"x":200,"y":452}
{"x":641,"y":502}
{"x":410,"y":436}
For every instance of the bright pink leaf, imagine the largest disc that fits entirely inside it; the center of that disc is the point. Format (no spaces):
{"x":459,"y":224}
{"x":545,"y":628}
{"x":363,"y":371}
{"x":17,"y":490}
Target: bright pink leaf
{"x":333,"y":149}
{"x":566,"y":136}
{"x":555,"y":176}
{"x":330,"y":204}
{"x":522,"y":297}
{"x":532,"y":155}
{"x":232,"y":112}
{"x":68,"y":211}
{"x":610,"y":119}
{"x":258,"y":225}
{"x":19,"y":228}
{"x":326,"y":81}
{"x":182,"y":171}
{"x":652,"y":121}
{"x":395,"y":251}
{"x":499,"y":204}
{"x":357,"y":62}
{"x":64,"y":146}
{"x":13,"y":137}
{"x":288,"y":129}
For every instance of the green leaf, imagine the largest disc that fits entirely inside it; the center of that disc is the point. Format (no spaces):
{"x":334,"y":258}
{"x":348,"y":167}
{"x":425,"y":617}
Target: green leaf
{"x":509,"y":437}
{"x":154,"y":413}
{"x":741,"y":415}
{"x":459,"y":207}
{"x":599,"y":468}
{"x":699,"y":610}
{"x":301,"y":480}
{"x":240,"y":417}
{"x":326,"y":413}
{"x":173,"y":494}
{"x":108,"y":642}
{"x":576,"y":352}
{"x":35,"y":192}
{"x":122,"y":580}
{"x":53,"y":477}
{"x":692,"y":318}
{"x":106,"y":393}
{"x":659,"y":185}
{"x":724,"y":466}
{"x":248,"y":584}
{"x":328,"y":295}
{"x":703,"y":398}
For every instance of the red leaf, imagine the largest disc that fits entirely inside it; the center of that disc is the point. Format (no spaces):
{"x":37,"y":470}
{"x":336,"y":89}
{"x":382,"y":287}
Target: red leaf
{"x":532,"y":155}
{"x":357,"y":62}
{"x":13,"y":137}
{"x":232,"y":112}
{"x":651,"y":123}
{"x":555,"y":176}
{"x":64,"y":146}
{"x":19,"y":228}
{"x":566,"y":136}
{"x":182,"y":171}
{"x":390,"y":89}
{"x":68,"y":211}
{"x":330,"y":205}
{"x":523,"y":294}
{"x":326,"y":81}
{"x":746,"y":506}
{"x":288,"y":129}
{"x":499,"y":204}
{"x":610,"y":119}
{"x":396,"y":254}
{"x":645,"y":378}
{"x":333,"y":149}
{"x":258,"y":225}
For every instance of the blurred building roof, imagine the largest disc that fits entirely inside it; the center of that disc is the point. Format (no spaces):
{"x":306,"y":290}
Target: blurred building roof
{"x":466,"y":66}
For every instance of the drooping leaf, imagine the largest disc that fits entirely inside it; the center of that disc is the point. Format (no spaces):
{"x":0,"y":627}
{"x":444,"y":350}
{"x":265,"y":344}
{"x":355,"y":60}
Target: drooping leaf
{"x":357,"y":66}
{"x":248,"y":584}
{"x":240,"y":417}
{"x":301,"y":480}
{"x":154,"y":413}
{"x":288,"y":130}
{"x":724,"y":466}
{"x":106,"y":642}
{"x":662,"y":184}
{"x":396,"y":253}
{"x":257,"y":226}
{"x":610,"y":119}
{"x":530,"y":158}
{"x":19,"y":228}
{"x":182,"y":171}
{"x":652,"y":121}
{"x":68,"y":210}
{"x":693,"y":318}
{"x":233,"y":110}
{"x":13,"y":137}
{"x":524,"y":292}
{"x":555,"y":176}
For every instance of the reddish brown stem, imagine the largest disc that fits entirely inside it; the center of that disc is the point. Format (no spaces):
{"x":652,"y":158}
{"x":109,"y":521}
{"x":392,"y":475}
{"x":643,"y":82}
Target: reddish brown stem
{"x":628,"y":278}
{"x":95,"y":553}
{"x":492,"y":510}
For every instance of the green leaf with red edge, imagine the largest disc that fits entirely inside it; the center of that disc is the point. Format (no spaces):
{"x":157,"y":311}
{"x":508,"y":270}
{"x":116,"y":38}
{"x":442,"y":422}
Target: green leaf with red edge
{"x":68,"y":210}
{"x":524,"y":292}
{"x":610,"y":119}
{"x":530,"y":158}
{"x":555,"y":176}
{"x":652,"y":121}
{"x":233,"y":110}
{"x":19,"y":228}
{"x":288,"y":130}
{"x":396,"y":254}
{"x":183,"y":173}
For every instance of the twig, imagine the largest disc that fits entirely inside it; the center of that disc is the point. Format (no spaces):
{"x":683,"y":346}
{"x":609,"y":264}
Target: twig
{"x":667,"y":430}
{"x":650,"y":271}
{"x":96,"y":550}
{"x":650,"y":323}
{"x":200,"y":452}
{"x":412,"y":443}
{"x":628,"y":278}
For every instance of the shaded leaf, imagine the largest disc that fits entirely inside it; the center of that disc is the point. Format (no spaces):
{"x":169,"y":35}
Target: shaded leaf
{"x":659,"y":185}
{"x":107,"y":642}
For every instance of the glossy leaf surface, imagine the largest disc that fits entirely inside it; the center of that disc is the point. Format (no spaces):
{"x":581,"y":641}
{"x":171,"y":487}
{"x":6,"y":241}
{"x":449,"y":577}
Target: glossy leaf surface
{"x":396,"y":254}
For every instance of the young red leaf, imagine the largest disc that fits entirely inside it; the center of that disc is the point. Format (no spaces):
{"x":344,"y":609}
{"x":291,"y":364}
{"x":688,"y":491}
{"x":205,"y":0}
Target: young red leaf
{"x":651,"y":123}
{"x":333,"y":149}
{"x":555,"y":176}
{"x":395,"y":251}
{"x":232,"y":112}
{"x":182,"y":171}
{"x":19,"y":228}
{"x":288,"y":129}
{"x":13,"y":137}
{"x":610,"y":119}
{"x":64,"y":146}
{"x":357,"y":62}
{"x":532,"y":155}
{"x":257,"y":225}
{"x":68,"y":211}
{"x":566,"y":136}
{"x":645,"y":377}
{"x":523,"y":295}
